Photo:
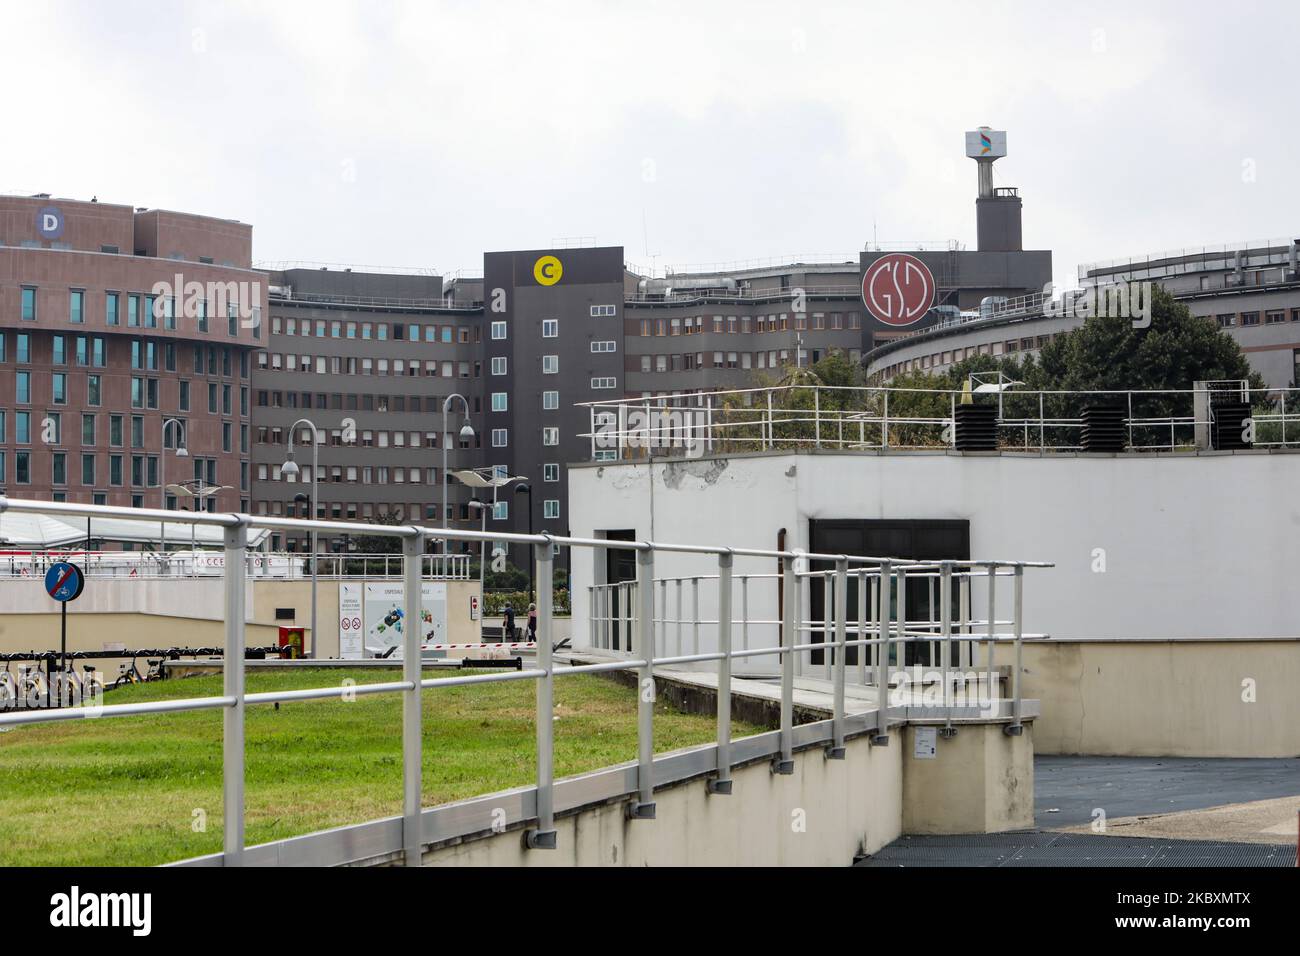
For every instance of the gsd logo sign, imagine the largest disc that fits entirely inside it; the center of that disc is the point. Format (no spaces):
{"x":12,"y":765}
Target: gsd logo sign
{"x":547,"y":270}
{"x":898,"y":289}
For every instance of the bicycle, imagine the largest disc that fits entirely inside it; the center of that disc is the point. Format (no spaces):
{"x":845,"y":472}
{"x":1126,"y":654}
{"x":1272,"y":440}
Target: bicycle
{"x":8,"y":687}
{"x":127,"y":674}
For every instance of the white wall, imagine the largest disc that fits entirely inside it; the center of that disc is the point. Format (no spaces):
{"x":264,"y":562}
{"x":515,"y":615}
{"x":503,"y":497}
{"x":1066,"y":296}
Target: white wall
{"x":1195,"y":545}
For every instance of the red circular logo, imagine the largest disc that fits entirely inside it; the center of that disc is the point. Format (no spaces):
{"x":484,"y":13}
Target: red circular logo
{"x":898,"y":289}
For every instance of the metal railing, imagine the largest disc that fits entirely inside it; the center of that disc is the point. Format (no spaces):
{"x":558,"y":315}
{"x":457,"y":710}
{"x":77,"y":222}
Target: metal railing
{"x":886,"y":418}
{"x":699,"y":295}
{"x":408,"y":840}
{"x":274,"y":565}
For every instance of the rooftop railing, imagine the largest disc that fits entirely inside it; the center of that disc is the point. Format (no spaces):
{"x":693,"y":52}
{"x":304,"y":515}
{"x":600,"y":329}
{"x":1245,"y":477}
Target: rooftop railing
{"x":534,"y":808}
{"x":885,"y":419}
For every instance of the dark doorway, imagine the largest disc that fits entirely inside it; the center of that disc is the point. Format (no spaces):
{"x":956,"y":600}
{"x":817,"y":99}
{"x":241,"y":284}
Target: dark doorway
{"x":620,"y":566}
{"x":918,"y":540}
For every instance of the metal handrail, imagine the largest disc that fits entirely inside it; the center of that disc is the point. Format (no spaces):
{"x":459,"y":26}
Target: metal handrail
{"x":762,"y":418}
{"x":270,"y":565}
{"x":234,"y":700}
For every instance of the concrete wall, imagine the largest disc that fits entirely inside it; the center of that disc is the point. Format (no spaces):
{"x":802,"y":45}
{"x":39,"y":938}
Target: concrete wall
{"x":980,"y":781}
{"x":821,"y":815}
{"x":1166,"y":698}
{"x":1194,"y":545}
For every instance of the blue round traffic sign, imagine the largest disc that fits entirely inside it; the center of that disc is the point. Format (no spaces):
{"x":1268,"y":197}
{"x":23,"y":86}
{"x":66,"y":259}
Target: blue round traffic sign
{"x":64,"y":581}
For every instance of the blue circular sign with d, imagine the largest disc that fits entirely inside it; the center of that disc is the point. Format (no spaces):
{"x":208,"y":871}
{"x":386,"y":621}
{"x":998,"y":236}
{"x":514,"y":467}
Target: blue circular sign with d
{"x":64,"y":581}
{"x":49,"y":222}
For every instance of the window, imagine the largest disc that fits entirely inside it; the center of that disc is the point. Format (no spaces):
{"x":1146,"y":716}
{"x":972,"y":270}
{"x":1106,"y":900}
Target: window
{"x":550,"y":364}
{"x":498,"y":330}
{"x":550,"y":472}
{"x":133,"y":311}
{"x":499,"y":365}
{"x":606,"y":382}
{"x":550,"y":401}
{"x":501,"y":510}
{"x":1272,"y":318}
{"x":500,"y":401}
{"x":1250,"y":318}
{"x":23,"y":467}
{"x":551,"y":508}
{"x":29,"y":305}
{"x":1227,"y":321}
{"x":604,"y":346}
{"x":88,"y":430}
{"x":550,"y":328}
{"x":76,"y":307}
{"x":88,"y":470}
{"x":500,"y":436}
{"x":60,"y":388}
{"x":602,"y":311}
{"x":23,"y":352}
{"x":550,"y":436}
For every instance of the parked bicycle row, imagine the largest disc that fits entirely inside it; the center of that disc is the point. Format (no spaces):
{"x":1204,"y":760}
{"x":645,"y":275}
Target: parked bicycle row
{"x":51,"y":679}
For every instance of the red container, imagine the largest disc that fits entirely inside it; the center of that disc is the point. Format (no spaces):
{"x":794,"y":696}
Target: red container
{"x":293,"y":638}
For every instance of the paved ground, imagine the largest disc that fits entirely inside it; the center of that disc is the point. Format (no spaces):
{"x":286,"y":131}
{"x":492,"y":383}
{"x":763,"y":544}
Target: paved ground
{"x":1143,"y":786}
{"x":1045,"y":849}
{"x":1176,"y":811}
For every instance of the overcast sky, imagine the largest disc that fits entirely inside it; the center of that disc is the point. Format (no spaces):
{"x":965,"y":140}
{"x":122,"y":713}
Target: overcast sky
{"x":423,"y":133}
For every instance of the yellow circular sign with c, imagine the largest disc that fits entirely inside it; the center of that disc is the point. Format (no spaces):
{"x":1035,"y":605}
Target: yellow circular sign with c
{"x":547,"y":270}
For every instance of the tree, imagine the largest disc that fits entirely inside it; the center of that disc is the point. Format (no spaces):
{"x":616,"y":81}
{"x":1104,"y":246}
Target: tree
{"x":1177,"y":349}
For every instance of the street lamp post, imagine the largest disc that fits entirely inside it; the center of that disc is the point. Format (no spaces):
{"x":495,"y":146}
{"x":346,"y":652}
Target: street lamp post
{"x":482,"y":508}
{"x":467,"y":433}
{"x":162,"y":472}
{"x":526,"y":488}
{"x":290,"y":469}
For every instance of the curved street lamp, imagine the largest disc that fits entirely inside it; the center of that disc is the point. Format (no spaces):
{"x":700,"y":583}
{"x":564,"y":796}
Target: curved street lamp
{"x":466,"y":434}
{"x":180,"y":452}
{"x":290,"y":469}
{"x":524,"y":488}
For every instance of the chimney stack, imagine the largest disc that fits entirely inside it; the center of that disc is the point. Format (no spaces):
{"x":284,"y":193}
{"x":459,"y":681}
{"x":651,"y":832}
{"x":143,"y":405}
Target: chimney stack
{"x":997,"y":211}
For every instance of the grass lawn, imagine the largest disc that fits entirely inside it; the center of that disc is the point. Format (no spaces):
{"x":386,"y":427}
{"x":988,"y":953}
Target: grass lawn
{"x":147,"y":790}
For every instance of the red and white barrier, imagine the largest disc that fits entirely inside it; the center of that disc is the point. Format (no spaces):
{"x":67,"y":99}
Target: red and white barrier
{"x":521,"y":645}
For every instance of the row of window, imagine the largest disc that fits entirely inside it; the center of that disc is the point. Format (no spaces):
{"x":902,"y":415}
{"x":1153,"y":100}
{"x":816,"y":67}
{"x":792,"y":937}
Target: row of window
{"x":501,"y":436}
{"x":745,"y":324}
{"x":353,"y":402}
{"x":144,"y":471}
{"x":362,"y":438}
{"x":142,"y":311}
{"x":50,"y":428}
{"x":947,"y":357}
{"x":378,"y":331}
{"x":550,"y":365}
{"x":775,"y":358}
{"x":1227,"y":320}
{"x":351,"y":365}
{"x":367,"y":511}
{"x":91,"y":351}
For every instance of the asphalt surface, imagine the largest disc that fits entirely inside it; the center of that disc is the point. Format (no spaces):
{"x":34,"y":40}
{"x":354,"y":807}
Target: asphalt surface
{"x":1067,"y":791}
{"x":1140,"y":786}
